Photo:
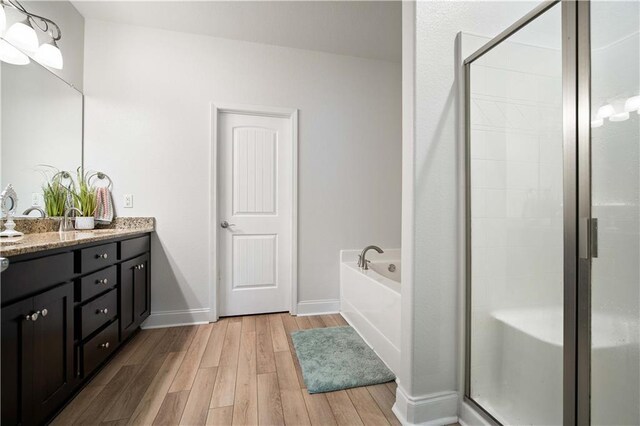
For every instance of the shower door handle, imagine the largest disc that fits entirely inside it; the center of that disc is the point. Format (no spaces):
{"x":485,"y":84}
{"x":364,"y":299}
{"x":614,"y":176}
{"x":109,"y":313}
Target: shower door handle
{"x":588,"y":237}
{"x":593,"y":236}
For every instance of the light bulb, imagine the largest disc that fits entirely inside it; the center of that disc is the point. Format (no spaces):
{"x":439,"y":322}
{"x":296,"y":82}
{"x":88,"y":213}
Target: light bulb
{"x":3,"y":20}
{"x":49,"y":54}
{"x":605,"y":111}
{"x":23,"y":36}
{"x":597,"y":122}
{"x":632,"y":104}
{"x":11,"y":55}
{"x":622,"y":116}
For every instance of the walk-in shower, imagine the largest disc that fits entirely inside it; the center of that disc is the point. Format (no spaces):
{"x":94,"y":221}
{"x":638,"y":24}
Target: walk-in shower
{"x":552,"y":127}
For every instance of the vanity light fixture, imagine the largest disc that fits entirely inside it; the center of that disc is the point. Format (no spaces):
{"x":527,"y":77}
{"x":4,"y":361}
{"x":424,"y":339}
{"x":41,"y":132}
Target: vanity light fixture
{"x":616,"y":111}
{"x":49,"y":54}
{"x":621,"y":116}
{"x":11,"y":55}
{"x":23,"y":36}
{"x":632,"y":104}
{"x":606,"y":111}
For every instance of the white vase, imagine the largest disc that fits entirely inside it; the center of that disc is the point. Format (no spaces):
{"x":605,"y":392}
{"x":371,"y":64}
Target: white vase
{"x":85,"y":222}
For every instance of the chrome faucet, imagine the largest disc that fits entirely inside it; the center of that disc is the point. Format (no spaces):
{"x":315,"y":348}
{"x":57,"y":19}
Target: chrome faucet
{"x":36,"y":208}
{"x":362,"y":259}
{"x":65,"y":224}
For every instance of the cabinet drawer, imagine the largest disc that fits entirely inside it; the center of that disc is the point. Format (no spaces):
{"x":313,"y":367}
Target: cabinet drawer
{"x":134,"y":247}
{"x":97,"y":283}
{"x":95,"y":314}
{"x":96,"y":350}
{"x":94,"y":258}
{"x":32,"y":276}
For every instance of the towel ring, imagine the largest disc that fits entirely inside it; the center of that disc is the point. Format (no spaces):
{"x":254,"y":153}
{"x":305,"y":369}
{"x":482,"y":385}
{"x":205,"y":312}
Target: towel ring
{"x":63,"y":175}
{"x":100,"y":176}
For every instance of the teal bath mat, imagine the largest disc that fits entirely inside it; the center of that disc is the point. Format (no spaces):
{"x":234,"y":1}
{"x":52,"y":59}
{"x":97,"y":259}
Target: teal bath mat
{"x":337,"y":358}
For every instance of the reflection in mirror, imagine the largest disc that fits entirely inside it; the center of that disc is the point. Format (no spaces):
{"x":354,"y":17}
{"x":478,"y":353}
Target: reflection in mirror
{"x":41,"y":123}
{"x":8,"y":204}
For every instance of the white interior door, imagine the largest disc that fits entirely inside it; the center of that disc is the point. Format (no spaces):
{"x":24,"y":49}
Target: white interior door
{"x":255,"y":192}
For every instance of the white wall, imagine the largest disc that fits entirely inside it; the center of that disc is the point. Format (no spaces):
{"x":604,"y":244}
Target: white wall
{"x":148,"y":95}
{"x":429,"y":384}
{"x":71,"y":22}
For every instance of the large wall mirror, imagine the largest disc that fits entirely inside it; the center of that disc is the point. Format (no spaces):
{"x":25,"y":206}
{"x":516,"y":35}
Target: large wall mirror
{"x":40,"y":124}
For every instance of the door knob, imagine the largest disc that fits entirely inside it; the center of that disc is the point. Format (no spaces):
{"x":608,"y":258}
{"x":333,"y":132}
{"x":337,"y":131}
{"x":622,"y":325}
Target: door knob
{"x":225,"y":224}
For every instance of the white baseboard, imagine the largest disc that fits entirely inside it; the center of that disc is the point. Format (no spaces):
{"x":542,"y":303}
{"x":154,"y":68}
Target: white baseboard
{"x":434,"y":409}
{"x":176,"y":318}
{"x":470,"y":417}
{"x":318,"y":307}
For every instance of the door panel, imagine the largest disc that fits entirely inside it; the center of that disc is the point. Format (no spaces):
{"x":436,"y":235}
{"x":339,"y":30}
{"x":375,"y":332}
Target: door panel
{"x":255,"y":190}
{"x":516,"y":190}
{"x":615,"y":198}
{"x":52,"y":350}
{"x":254,"y":259}
{"x":141,"y":289}
{"x":17,"y":359}
{"x":127,"y":298}
{"x":254,"y":170}
{"x":135,"y":295}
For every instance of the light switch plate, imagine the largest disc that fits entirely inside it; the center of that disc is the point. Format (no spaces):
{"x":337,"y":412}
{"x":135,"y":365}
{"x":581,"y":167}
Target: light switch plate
{"x":35,"y":199}
{"x":128,"y":201}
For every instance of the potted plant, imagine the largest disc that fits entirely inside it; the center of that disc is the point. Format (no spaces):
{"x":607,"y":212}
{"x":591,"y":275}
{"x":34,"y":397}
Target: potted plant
{"x":84,"y":199}
{"x":55,"y":193}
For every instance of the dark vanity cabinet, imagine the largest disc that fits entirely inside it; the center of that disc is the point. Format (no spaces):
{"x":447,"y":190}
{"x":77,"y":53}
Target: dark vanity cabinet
{"x":135,"y":294}
{"x":64,"y":313}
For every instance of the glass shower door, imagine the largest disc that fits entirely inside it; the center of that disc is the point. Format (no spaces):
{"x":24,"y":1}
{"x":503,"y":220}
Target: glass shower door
{"x":615,"y":197}
{"x":515,"y":148}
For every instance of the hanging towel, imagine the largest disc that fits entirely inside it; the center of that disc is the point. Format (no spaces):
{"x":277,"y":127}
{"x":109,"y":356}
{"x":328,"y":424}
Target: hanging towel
{"x":104,"y":206}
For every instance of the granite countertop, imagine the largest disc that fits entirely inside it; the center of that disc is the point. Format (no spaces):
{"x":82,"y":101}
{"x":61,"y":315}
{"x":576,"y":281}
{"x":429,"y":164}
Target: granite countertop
{"x":38,"y":241}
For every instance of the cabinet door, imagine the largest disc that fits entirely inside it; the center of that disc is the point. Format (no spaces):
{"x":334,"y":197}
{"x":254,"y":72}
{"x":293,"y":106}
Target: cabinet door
{"x":142,"y":294}
{"x":17,"y":352}
{"x":134,"y":298}
{"x":52,"y":350}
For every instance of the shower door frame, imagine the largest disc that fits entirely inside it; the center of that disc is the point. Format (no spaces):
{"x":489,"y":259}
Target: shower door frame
{"x":577,"y":220}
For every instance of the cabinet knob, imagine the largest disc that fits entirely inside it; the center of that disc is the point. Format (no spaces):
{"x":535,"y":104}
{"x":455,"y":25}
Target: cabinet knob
{"x":104,"y":345}
{"x":102,"y":281}
{"x":32,"y":317}
{"x":103,"y":311}
{"x":102,"y":256}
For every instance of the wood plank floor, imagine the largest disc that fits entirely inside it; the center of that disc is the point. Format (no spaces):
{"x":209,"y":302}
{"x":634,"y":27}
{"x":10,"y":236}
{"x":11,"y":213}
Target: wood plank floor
{"x":238,"y":371}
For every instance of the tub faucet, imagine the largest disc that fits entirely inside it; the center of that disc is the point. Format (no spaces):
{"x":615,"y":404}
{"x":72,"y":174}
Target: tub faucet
{"x":362,"y":259}
{"x":65,"y":224}
{"x":36,"y":208}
